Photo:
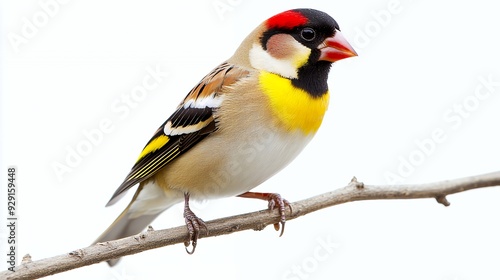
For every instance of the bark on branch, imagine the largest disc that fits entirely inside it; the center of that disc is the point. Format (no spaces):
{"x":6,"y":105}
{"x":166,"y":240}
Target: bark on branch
{"x":354,"y":191}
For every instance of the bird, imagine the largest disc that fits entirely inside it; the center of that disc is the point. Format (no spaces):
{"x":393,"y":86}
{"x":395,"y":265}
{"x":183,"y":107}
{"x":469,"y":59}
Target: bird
{"x":241,"y":124}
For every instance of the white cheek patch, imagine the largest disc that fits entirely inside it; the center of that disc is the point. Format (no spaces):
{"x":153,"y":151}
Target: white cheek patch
{"x":262,"y":60}
{"x":286,"y":67}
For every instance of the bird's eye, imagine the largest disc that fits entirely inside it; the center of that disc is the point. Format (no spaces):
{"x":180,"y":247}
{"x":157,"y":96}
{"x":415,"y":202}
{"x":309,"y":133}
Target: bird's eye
{"x":308,"y":34}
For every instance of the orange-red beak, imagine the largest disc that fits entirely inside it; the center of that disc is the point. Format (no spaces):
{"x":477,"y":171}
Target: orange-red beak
{"x":336,"y":48}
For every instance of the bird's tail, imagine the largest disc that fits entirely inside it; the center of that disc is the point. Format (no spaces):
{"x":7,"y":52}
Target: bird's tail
{"x":124,"y":226}
{"x":147,"y":204}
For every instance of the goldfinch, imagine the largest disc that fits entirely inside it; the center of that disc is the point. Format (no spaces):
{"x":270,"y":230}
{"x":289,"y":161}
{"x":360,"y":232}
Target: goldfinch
{"x":241,"y":124}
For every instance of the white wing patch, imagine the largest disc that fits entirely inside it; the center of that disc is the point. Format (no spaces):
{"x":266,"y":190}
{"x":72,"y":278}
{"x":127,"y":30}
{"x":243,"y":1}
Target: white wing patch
{"x":211,"y":101}
{"x":172,"y":131}
{"x":194,"y":122}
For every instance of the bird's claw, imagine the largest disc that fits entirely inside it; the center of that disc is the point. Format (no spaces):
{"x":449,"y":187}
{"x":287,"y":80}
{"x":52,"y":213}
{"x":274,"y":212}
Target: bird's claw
{"x":276,"y":200}
{"x":194,"y":224}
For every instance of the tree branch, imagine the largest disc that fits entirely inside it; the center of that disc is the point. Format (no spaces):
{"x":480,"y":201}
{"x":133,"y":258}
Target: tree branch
{"x":354,"y":191}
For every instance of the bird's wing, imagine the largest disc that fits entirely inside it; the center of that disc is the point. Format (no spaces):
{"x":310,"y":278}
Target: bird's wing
{"x":189,"y":124}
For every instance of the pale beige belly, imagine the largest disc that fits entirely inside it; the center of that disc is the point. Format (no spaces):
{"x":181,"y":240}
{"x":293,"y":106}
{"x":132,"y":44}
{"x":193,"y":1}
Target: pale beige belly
{"x":231,"y":168}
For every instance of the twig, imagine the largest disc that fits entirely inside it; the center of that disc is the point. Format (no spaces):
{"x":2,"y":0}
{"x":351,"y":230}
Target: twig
{"x":151,"y":239}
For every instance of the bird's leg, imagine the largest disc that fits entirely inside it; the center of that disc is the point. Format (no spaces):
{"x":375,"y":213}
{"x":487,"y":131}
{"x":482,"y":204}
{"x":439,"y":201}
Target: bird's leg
{"x":193,"y":224}
{"x":273,"y":200}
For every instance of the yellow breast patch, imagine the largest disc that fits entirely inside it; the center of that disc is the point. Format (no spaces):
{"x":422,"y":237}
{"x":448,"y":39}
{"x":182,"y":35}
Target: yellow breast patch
{"x":294,"y":107}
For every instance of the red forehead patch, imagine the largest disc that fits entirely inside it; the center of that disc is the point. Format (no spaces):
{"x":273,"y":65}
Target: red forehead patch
{"x":288,"y":20}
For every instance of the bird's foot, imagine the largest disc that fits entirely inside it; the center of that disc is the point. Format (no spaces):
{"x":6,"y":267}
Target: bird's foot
{"x":194,"y":224}
{"x":274,"y":200}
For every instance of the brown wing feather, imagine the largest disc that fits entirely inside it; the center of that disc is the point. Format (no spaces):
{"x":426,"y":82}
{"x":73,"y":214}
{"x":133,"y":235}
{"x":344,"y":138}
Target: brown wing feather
{"x":223,"y":75}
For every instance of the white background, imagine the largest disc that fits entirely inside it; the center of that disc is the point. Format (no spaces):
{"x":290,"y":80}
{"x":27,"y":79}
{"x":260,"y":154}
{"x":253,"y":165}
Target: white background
{"x":419,"y":61}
